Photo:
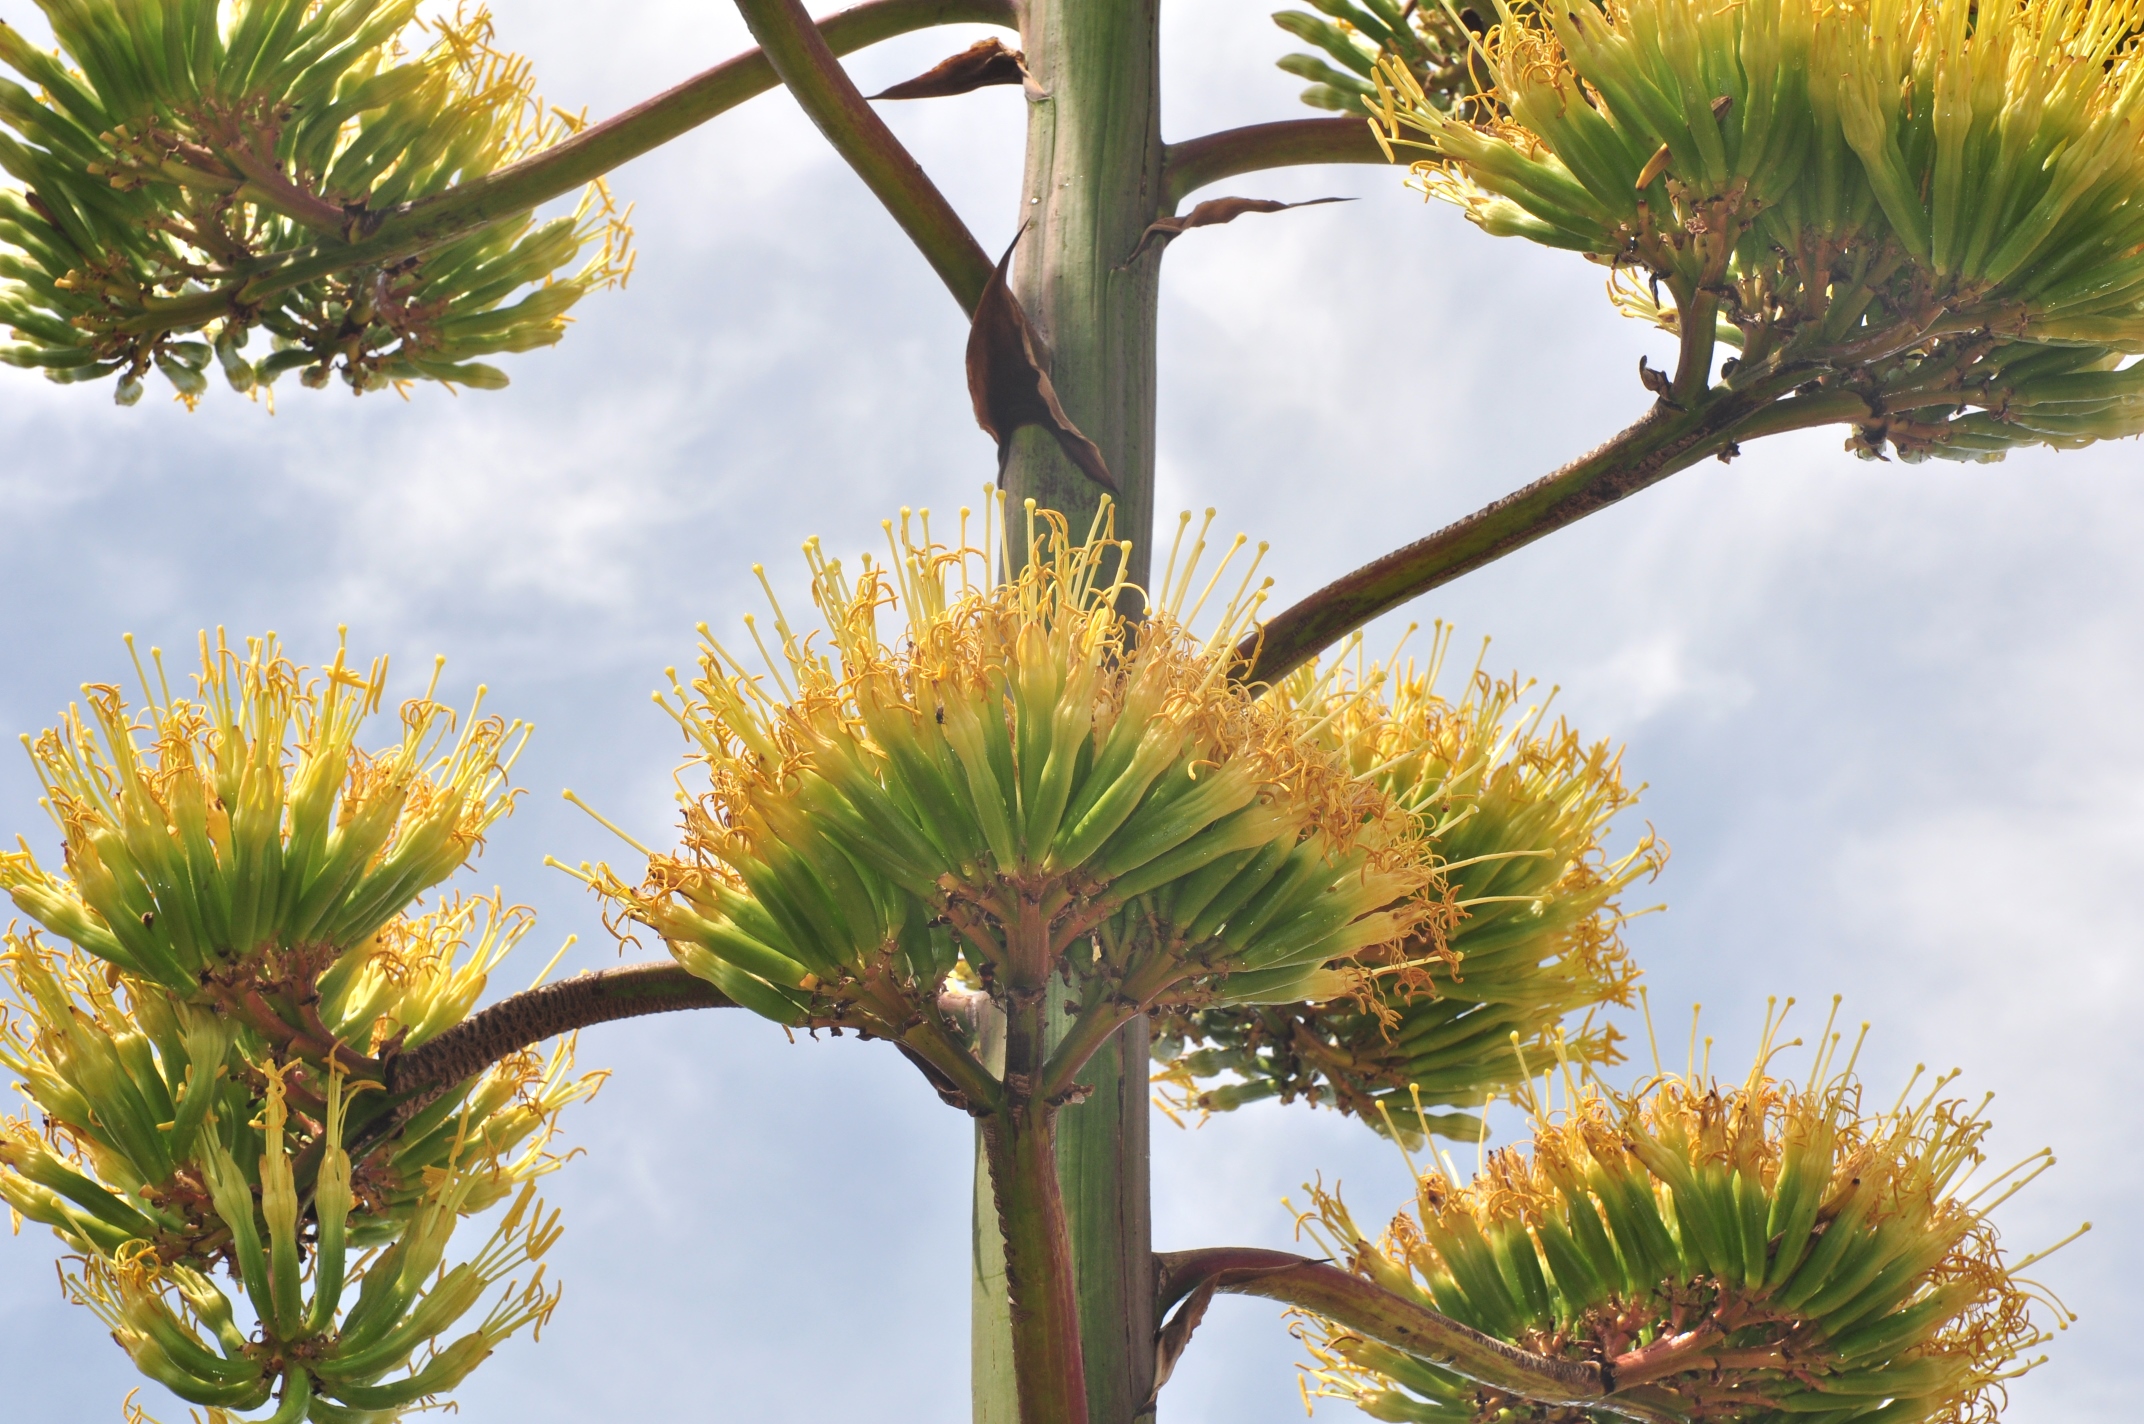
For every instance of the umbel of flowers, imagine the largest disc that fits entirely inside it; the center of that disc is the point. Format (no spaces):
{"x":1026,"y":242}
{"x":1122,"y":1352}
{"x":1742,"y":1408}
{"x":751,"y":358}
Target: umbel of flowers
{"x":1761,"y":1252}
{"x":1517,"y":810}
{"x":1921,"y":217}
{"x":1040,"y":774}
{"x":178,"y":163}
{"x":256,"y":1215}
{"x":1036,"y":776}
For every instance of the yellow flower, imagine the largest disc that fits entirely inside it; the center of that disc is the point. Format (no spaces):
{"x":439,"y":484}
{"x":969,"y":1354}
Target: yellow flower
{"x":246,"y":821}
{"x":1756,"y":1252}
{"x":1932,"y":203}
{"x":1516,"y":810}
{"x":1025,"y":777}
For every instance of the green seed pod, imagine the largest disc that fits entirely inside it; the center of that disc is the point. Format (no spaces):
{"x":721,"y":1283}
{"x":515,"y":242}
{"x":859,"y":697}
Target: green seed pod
{"x":1517,"y":812}
{"x":1913,"y":1302}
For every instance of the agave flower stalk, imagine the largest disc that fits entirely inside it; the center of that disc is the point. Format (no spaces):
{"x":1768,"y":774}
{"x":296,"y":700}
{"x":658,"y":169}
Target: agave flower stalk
{"x":1035,"y":784}
{"x":1517,"y":811}
{"x":1918,"y":217}
{"x":1806,"y":170}
{"x":1761,"y":1251}
{"x":175,"y":148}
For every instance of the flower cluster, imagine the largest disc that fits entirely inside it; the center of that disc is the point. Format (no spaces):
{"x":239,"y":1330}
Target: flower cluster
{"x":182,"y":181}
{"x":1430,"y":40}
{"x":242,"y":830}
{"x":1925,"y":208}
{"x":1516,"y":811}
{"x":1039,"y":777}
{"x":1761,"y":1252}
{"x":218,"y":1134}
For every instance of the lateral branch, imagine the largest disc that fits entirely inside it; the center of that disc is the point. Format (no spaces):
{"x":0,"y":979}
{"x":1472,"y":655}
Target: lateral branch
{"x":525,"y":1019}
{"x":1346,"y":1299}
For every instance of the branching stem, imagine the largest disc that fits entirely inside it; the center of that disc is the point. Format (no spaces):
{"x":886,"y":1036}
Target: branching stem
{"x":1019,"y":1148}
{"x":527,"y":1018}
{"x":801,"y":56}
{"x":1667,"y":439}
{"x":1194,"y":163}
{"x":428,"y":222}
{"x":1369,"y":1310}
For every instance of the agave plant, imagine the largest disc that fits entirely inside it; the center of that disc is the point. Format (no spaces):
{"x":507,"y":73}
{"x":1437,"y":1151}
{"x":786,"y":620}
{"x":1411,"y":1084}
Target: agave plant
{"x":1010,"y":805}
{"x":214,"y":1055}
{"x":178,"y":160}
{"x":1919,"y":220}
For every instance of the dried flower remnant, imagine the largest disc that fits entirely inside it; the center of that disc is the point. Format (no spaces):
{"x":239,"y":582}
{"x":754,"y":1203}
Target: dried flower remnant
{"x":1760,"y":1252}
{"x":1517,"y":811}
{"x":200,"y":148}
{"x":1919,"y":215}
{"x":1031,"y":780}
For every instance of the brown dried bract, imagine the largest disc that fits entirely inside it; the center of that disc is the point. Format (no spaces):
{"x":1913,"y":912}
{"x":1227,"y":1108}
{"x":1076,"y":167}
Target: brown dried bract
{"x":1213,"y":212}
{"x":1008,"y":385}
{"x":980,"y":65}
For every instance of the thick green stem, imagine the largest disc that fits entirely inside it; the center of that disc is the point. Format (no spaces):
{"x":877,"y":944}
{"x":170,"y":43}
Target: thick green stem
{"x":427,"y":222}
{"x":1669,"y":438}
{"x":1044,"y":1307}
{"x":800,"y":55}
{"x":1093,"y":183}
{"x":1369,"y":1310}
{"x":1698,"y":315}
{"x":1192,"y":164}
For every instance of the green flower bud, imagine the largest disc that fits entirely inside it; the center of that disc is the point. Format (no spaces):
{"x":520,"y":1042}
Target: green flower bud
{"x":1429,"y":40}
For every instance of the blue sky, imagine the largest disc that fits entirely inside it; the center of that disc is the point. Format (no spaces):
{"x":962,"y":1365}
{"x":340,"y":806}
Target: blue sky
{"x":1888,"y":715}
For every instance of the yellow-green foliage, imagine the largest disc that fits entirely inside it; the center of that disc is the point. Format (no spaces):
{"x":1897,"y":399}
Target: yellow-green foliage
{"x":1026,"y":774}
{"x":245,"y":819}
{"x":1934,"y":204}
{"x":208,"y":1062}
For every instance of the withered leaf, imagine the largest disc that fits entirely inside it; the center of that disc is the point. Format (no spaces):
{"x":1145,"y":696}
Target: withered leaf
{"x":1174,"y":1336}
{"x":1171,"y":1340}
{"x":980,"y":65}
{"x":1008,"y":385}
{"x":1213,"y":211}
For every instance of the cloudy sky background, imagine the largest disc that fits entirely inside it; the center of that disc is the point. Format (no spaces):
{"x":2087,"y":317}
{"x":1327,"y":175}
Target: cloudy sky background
{"x":1888,"y":715}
